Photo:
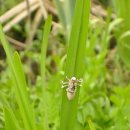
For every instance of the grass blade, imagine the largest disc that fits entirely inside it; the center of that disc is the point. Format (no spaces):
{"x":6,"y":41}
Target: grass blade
{"x":3,"y":100}
{"x":10,"y":120}
{"x":75,"y":61}
{"x":42,"y":61}
{"x":91,"y":125}
{"x":61,"y":12}
{"x":69,"y":9}
{"x":65,"y":12}
{"x":22,"y":95}
{"x":122,"y":8}
{"x":20,"y":85}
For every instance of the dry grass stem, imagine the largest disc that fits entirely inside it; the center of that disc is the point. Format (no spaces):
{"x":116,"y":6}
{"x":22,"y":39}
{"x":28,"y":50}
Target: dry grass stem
{"x":35,"y":23}
{"x":16,"y":10}
{"x":43,"y":9}
{"x":19,"y":17}
{"x":16,"y":42}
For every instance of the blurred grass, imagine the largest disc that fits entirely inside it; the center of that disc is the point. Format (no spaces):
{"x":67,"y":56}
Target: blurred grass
{"x":10,"y":121}
{"x":6,"y":5}
{"x":27,"y":112}
{"x":90,"y":124}
{"x":65,"y":12}
{"x":122,"y":8}
{"x":20,"y":86}
{"x":47,"y":28}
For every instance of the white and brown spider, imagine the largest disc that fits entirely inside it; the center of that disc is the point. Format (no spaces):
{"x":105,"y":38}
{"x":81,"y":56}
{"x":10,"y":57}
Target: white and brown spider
{"x":71,"y":86}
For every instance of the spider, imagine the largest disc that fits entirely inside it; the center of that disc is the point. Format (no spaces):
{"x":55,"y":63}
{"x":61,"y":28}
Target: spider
{"x":71,"y":86}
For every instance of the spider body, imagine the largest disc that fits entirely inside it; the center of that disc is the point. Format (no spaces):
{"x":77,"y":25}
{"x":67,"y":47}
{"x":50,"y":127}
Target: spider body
{"x":71,"y":86}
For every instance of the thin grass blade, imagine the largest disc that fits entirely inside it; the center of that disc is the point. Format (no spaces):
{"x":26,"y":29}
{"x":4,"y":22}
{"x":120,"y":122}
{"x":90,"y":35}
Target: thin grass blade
{"x":11,"y":122}
{"x":91,"y":125}
{"x":61,"y":13}
{"x":22,"y":95}
{"x":46,"y":32}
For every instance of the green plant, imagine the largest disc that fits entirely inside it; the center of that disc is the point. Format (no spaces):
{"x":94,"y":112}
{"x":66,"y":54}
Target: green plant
{"x":102,"y":103}
{"x":123,"y":32}
{"x":75,"y":61}
{"x":65,"y":12}
{"x":20,"y":86}
{"x":43,"y":61}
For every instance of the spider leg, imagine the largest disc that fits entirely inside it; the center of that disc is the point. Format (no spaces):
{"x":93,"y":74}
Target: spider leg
{"x":80,"y":80}
{"x":79,"y":84}
{"x":67,"y":89}
{"x":67,"y":78}
{"x":63,"y":86}
{"x":64,"y":82}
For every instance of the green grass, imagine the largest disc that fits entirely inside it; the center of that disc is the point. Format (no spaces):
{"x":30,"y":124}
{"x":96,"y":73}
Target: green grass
{"x":10,"y":120}
{"x":75,"y":61}
{"x":20,"y":86}
{"x":43,"y":72}
{"x":65,"y":12}
{"x":91,"y":124}
{"x":122,"y":8}
{"x":102,"y":103}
